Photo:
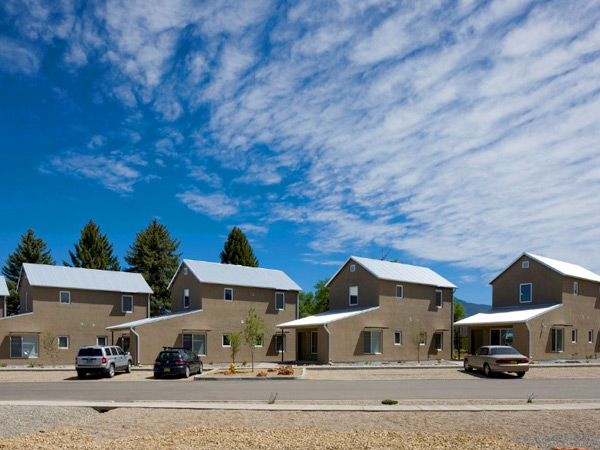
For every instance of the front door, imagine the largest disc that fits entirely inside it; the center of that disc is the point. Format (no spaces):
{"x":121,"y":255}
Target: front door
{"x":476,"y":340}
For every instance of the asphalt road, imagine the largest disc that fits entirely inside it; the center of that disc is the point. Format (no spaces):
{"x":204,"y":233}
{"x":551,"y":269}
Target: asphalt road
{"x":476,"y":388}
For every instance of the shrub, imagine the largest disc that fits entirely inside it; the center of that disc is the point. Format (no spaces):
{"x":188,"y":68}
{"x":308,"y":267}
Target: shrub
{"x":388,"y":401}
{"x":285,"y":370}
{"x":261,"y":374}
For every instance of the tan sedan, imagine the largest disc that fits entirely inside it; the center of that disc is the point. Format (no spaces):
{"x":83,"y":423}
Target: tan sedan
{"x":497,"y":358}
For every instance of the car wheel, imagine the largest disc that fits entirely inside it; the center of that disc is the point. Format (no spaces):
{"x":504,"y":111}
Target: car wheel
{"x":520,"y":374}
{"x":486,"y":370}
{"x":111,"y":371}
{"x":467,"y":366}
{"x":81,"y":374}
{"x":200,"y":369}
{"x":128,"y":370}
{"x":187,"y":372}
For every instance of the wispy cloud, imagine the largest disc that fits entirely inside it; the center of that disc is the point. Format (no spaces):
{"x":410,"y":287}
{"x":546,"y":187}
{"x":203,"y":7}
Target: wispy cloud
{"x":215,"y":205}
{"x":18,"y":58}
{"x":252,"y":228}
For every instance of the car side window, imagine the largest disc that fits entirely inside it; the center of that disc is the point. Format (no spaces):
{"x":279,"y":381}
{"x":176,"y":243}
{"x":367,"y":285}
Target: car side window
{"x":483,"y":351}
{"x":120,"y":351}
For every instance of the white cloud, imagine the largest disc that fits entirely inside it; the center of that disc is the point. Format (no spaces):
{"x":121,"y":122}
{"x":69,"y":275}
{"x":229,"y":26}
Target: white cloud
{"x":250,"y":228}
{"x":15,"y":57}
{"x":215,"y":205}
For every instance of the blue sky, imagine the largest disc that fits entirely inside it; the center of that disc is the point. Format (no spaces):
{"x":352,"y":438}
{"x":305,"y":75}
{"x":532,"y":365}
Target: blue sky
{"x":451,"y":134}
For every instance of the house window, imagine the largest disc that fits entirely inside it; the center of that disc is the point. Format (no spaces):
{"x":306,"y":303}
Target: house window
{"x":574,"y":335}
{"x":438,"y":339}
{"x":313,"y":342}
{"x":353,"y":296}
{"x":438,"y":299}
{"x":525,"y":293}
{"x":399,"y":291}
{"x":591,"y":337}
{"x":228,"y":295}
{"x":558,"y":339}
{"x":65,"y":297}
{"x":23,"y":346}
{"x":398,"y":338}
{"x":127,"y":303}
{"x":525,"y":264}
{"x":575,"y":288}
{"x":501,"y":336}
{"x":186,"y":298}
{"x":372,"y":342}
{"x":226,"y":340}
{"x":259,"y":341}
{"x":352,"y":267}
{"x":101,"y":340}
{"x":279,"y":300}
{"x":280,"y":343}
{"x":195,"y":343}
{"x":63,"y":342}
{"x":423,"y":338}
{"x":185,"y":270}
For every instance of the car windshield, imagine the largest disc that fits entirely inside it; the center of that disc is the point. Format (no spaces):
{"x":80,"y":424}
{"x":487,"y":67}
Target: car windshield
{"x":504,"y":351}
{"x":90,"y":352}
{"x":169,"y":356}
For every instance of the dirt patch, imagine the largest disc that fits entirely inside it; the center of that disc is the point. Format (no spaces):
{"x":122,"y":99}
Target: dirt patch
{"x":280,"y":372}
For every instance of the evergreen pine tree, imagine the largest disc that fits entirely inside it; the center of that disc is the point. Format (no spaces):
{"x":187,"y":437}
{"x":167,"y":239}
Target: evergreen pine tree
{"x":237,"y":250}
{"x":153,"y":255}
{"x":31,"y":249}
{"x":93,"y":251}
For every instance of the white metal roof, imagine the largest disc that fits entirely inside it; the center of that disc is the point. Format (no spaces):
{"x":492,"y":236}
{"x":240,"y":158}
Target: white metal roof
{"x":90,"y":279}
{"x":139,"y":322}
{"x":234,"y":275}
{"x":326,"y":317}
{"x":3,"y":287}
{"x":506,"y":315}
{"x":393,"y":271}
{"x":563,"y":268}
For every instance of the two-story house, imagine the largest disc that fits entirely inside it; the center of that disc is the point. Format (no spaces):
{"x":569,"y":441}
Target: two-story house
{"x":379,"y":311}
{"x":546,"y":309}
{"x":64,"y":308}
{"x":210,"y":302}
{"x":3,"y":294}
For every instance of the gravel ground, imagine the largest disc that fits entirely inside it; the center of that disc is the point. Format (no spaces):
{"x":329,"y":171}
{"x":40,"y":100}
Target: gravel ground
{"x":153,"y":428}
{"x":338,"y":374}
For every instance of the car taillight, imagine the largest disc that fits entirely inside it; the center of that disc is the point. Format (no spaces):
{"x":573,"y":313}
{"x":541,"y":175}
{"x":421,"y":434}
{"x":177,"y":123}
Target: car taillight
{"x":75,"y":360}
{"x":512,"y":361}
{"x":104,"y":360}
{"x":156,"y":361}
{"x":180,"y":361}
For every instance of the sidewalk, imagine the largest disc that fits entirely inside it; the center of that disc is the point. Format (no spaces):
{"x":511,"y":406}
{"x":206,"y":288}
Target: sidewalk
{"x":106,"y":406}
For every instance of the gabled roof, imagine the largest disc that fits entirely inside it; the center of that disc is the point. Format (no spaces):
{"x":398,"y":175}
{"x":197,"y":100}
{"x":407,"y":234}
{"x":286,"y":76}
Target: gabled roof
{"x":507,"y":315}
{"x":327,"y":317}
{"x":136,"y":323}
{"x":234,"y":275}
{"x":43,"y":275}
{"x":393,"y":271}
{"x":563,"y":268}
{"x":3,"y":287}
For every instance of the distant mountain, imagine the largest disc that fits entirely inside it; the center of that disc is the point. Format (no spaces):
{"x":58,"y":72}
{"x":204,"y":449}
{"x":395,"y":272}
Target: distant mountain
{"x":472,"y":308}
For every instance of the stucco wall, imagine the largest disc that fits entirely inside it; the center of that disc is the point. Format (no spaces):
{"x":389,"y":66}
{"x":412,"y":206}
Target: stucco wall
{"x":368,"y":288}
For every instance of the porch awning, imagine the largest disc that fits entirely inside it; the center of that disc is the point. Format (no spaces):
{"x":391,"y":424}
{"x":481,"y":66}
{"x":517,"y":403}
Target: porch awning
{"x":326,"y":317}
{"x":499,"y":316}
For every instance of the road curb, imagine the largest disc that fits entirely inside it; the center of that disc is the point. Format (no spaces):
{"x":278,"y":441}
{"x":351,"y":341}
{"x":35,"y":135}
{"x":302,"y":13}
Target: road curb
{"x":107,"y":406}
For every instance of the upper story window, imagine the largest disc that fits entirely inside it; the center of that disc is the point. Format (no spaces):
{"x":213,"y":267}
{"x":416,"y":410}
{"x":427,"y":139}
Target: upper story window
{"x":228,"y":295}
{"x":127,"y":303}
{"x":399,"y":291}
{"x":185,"y":270}
{"x":186,"y":298}
{"x":439,"y":300}
{"x":575,"y":288}
{"x":525,"y":264}
{"x":279,"y":300}
{"x":525,"y":293}
{"x":352,"y":267}
{"x":353,"y":296}
{"x":64,"y":297}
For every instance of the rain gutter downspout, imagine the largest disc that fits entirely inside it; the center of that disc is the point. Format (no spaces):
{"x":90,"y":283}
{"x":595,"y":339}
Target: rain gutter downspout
{"x":137,"y":345}
{"x":328,"y":343}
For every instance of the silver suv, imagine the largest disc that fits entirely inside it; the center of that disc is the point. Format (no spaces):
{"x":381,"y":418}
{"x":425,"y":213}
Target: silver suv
{"x":105,"y":359}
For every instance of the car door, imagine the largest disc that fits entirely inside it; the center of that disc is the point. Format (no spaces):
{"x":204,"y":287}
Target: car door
{"x":475,"y":360}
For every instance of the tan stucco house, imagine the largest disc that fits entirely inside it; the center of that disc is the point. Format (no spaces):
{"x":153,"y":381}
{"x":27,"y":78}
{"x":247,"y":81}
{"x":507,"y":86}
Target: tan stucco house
{"x":545,"y":308}
{"x":3,"y":294}
{"x":72,"y":304}
{"x":210,"y":301}
{"x":379,"y":311}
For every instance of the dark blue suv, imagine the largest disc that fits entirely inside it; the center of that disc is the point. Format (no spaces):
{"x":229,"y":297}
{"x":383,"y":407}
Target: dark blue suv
{"x":177,"y":361}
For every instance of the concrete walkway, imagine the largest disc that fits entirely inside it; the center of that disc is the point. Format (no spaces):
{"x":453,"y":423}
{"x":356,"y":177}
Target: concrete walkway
{"x":106,"y":406}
